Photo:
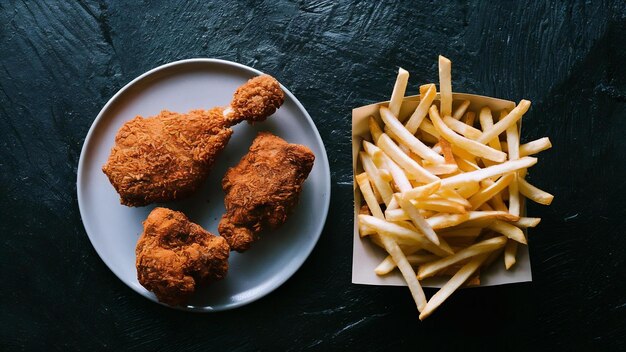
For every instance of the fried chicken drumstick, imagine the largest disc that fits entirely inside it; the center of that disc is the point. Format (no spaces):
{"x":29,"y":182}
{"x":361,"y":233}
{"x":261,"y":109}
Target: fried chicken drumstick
{"x":168,"y":156}
{"x":175,"y":255}
{"x":262,"y":188}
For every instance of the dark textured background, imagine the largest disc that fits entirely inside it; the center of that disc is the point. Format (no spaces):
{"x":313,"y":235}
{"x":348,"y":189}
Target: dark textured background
{"x":61,"y":61}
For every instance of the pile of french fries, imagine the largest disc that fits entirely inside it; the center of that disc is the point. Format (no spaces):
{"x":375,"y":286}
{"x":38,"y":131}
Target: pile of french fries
{"x":444,"y":189}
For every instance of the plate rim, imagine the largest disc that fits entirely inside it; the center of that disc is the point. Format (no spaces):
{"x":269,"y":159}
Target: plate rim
{"x":324,"y":158}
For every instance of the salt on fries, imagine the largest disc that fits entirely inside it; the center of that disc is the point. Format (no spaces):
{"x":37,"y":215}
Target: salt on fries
{"x":444,"y":190}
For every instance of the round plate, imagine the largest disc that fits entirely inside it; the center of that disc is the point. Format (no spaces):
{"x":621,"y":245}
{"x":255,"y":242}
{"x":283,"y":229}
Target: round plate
{"x":182,"y":86}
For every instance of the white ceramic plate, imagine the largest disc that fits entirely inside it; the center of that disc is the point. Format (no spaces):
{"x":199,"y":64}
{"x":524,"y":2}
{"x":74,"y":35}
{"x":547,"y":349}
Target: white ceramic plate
{"x":182,"y":86}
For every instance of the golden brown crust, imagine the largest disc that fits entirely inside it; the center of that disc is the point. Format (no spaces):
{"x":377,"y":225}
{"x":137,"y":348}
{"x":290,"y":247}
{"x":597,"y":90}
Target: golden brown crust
{"x":175,"y":255}
{"x":262,"y":188}
{"x":168,"y":156}
{"x":165,"y":157}
{"x":257,"y":99}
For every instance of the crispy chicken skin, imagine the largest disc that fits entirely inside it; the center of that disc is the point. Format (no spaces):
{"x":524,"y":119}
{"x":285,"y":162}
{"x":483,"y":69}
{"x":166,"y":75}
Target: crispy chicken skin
{"x":259,"y":98}
{"x":262,"y":188}
{"x":168,"y":156}
{"x":174,"y":256}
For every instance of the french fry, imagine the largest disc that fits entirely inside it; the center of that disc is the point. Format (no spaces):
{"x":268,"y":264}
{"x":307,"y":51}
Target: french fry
{"x":387,"y":265}
{"x":384,"y":173}
{"x":368,"y":195}
{"x":498,"y":203}
{"x":454,"y":283}
{"x":462,"y":128}
{"x":427,"y":126}
{"x":405,"y":149}
{"x":466,"y":165}
{"x":375,"y":153}
{"x":372,"y":171}
{"x":512,"y":141}
{"x":533,"y":193}
{"x":447,"y":220}
{"x":409,"y":165}
{"x":399,"y":177}
{"x":393,"y":204}
{"x":445,"y":85}
{"x":526,"y":222}
{"x":375,"y":129}
{"x":379,"y":199}
{"x":417,"y":219}
{"x":510,"y":231}
{"x":446,"y":150}
{"x":485,"y":194}
{"x":395,"y":172}
{"x":441,"y":169}
{"x":497,"y":198}
{"x":468,"y":188}
{"x":407,"y":138}
{"x":486,"y":123}
{"x":395,"y":138}
{"x":407,"y":271}
{"x":427,"y":213}
{"x":483,"y":218}
{"x":365,"y":231}
{"x":452,"y":196}
{"x":462,"y":154}
{"x":440,"y":205}
{"x":471,"y":146}
{"x":469,"y":118}
{"x":514,"y":197}
{"x":406,"y":248}
{"x":422,"y":191}
{"x":429,"y":269}
{"x":424,"y":88}
{"x":426,"y":245}
{"x":498,"y":215}
{"x":535,"y":146}
{"x":504,"y":123}
{"x":460,"y":111}
{"x":391,"y":229}
{"x":399,"y":89}
{"x":402,"y":234}
{"x":491,"y":171}
{"x":395,"y":215}
{"x":510,"y":251}
{"x":421,"y":111}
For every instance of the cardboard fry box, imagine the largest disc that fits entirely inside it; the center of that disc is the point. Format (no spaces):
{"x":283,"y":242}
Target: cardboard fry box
{"x":366,"y":255}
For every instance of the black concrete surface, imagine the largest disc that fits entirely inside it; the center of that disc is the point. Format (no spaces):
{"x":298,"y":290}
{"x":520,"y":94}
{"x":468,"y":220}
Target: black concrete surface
{"x":60,"y":61}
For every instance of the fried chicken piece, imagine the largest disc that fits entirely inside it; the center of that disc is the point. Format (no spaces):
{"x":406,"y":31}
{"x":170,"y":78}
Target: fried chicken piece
{"x":168,"y":156}
{"x":262,"y":189}
{"x":174,"y":256}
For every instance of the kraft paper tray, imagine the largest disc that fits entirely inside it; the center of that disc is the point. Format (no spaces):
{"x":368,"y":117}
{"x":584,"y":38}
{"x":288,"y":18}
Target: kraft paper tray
{"x":366,"y":255}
